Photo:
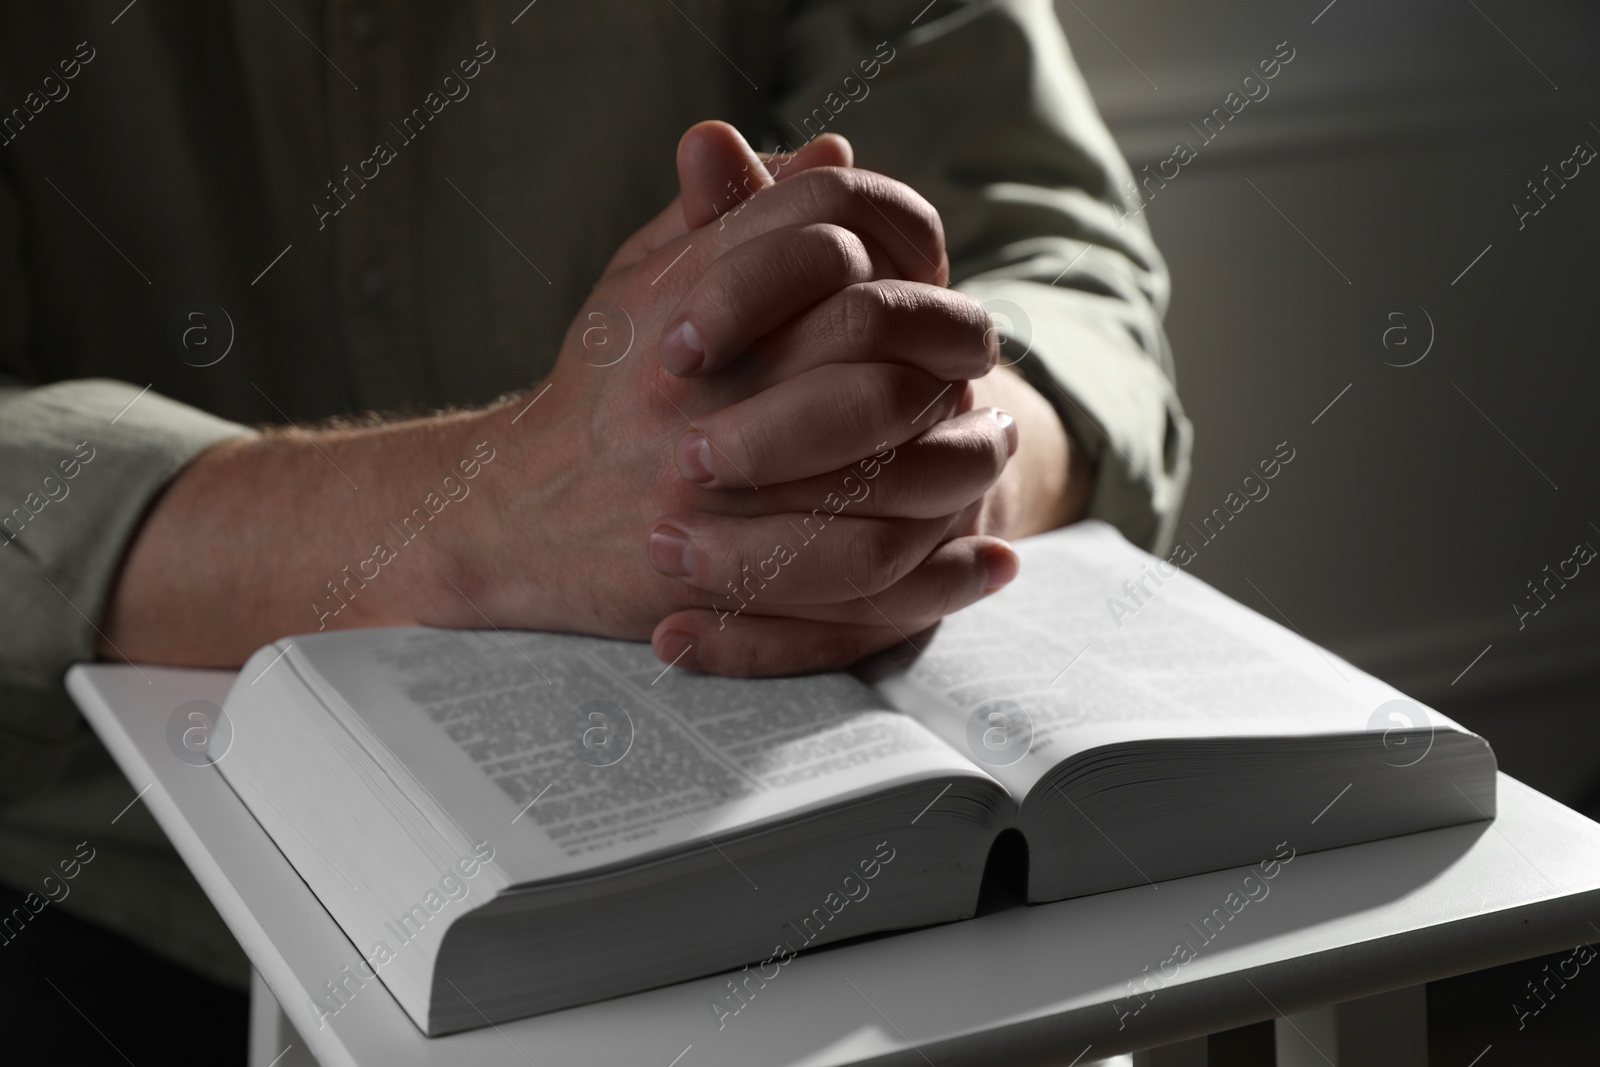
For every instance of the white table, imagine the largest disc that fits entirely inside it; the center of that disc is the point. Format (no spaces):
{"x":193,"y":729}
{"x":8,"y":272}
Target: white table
{"x":1019,"y":986}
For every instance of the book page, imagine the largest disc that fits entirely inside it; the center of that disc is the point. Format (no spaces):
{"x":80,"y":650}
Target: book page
{"x":570,"y":753}
{"x":1097,"y":642}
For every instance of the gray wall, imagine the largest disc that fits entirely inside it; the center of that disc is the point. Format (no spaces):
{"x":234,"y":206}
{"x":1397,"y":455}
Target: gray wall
{"x":1396,"y":141}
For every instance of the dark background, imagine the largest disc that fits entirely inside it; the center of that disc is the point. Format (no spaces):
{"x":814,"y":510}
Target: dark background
{"x":1410,"y":521}
{"x":1396,"y":141}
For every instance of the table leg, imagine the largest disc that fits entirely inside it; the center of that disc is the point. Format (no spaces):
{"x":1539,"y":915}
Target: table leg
{"x":1388,"y":1030}
{"x":1191,"y":1053}
{"x":273,"y":1041}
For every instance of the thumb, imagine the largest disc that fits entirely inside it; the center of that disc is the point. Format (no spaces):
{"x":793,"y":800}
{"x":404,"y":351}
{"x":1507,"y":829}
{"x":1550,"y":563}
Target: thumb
{"x":711,"y":155}
{"x":717,"y":171}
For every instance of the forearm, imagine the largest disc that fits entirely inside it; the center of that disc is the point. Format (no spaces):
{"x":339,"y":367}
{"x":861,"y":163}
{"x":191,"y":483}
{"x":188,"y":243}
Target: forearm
{"x":264,"y":537}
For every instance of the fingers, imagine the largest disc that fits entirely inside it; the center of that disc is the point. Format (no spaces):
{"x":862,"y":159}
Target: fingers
{"x":820,"y":556}
{"x":942,"y":332}
{"x":718,"y":170}
{"x":706,"y":333}
{"x":818,"y":421}
{"x":714,"y":160}
{"x":900,"y":230}
{"x":959,"y":572}
{"x":733,"y":638}
{"x":754,"y":288}
{"x":880,"y":209}
{"x":937,"y":473}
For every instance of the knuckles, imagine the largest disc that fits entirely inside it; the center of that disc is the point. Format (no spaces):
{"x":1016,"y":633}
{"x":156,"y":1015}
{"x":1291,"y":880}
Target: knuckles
{"x":917,"y":323}
{"x":877,"y":554}
{"x":836,"y":192}
{"x":977,"y":324}
{"x":841,"y":255}
{"x":863,"y":398}
{"x":862,"y":317}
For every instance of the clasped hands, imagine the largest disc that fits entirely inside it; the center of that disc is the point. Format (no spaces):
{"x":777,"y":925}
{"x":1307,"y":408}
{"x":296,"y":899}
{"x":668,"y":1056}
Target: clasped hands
{"x":773,"y":442}
{"x":774,"y":439}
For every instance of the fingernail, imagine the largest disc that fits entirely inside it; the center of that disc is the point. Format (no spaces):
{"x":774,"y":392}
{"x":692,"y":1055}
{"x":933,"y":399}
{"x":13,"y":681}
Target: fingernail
{"x":671,"y":551}
{"x":676,"y":648}
{"x":694,"y":457}
{"x":1009,"y":425}
{"x":682,"y":351}
{"x":1000,"y":564}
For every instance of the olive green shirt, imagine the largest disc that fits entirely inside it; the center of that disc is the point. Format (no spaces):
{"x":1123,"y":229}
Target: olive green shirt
{"x":233,"y":213}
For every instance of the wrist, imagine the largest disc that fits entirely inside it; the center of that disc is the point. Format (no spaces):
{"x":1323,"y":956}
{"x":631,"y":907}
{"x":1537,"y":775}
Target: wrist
{"x":439,"y":527}
{"x":1046,"y":484}
{"x":511,"y":557}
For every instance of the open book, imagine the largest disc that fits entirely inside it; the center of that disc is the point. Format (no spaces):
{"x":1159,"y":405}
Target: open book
{"x":507,"y":824}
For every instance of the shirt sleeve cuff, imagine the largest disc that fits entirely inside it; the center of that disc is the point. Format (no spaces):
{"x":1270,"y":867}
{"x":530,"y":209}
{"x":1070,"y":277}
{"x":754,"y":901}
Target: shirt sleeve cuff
{"x":1117,"y":401}
{"x":80,"y":463}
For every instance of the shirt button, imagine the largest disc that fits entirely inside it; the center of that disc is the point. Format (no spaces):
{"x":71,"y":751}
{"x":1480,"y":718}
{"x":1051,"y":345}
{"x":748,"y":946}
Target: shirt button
{"x":373,"y":283}
{"x":363,"y":25}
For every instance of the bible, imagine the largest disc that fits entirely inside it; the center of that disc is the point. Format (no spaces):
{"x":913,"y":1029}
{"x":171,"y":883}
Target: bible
{"x":510,"y":823}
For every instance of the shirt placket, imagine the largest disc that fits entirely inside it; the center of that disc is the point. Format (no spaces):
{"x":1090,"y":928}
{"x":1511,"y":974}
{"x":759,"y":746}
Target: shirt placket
{"x":375,"y":233}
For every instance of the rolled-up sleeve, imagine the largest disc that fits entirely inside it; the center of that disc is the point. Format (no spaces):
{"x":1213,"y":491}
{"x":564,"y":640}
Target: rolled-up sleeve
{"x":981,"y":108}
{"x":80,"y":463}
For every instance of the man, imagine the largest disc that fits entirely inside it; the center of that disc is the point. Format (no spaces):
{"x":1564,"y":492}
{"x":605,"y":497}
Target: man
{"x":603,"y":405}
